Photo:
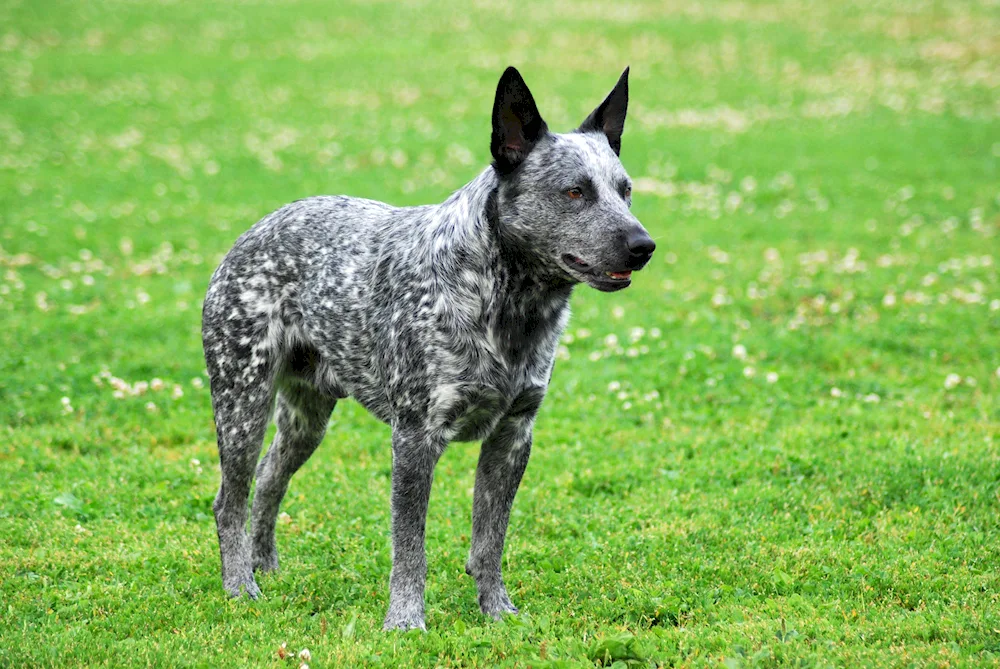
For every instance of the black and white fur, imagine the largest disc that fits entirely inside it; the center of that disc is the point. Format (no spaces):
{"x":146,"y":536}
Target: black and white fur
{"x":441,"y":320}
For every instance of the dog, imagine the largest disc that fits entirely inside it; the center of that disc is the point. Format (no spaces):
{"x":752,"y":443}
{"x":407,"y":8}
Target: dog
{"x":441,"y":320}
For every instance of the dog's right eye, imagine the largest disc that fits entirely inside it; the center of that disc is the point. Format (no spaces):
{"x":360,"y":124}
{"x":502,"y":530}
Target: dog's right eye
{"x":574,"y":193}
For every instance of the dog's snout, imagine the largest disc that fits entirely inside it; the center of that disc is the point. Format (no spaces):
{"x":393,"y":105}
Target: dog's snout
{"x":640,"y":243}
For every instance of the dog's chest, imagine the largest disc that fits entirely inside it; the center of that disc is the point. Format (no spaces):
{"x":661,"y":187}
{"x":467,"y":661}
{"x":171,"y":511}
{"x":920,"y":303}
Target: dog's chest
{"x":500,"y":368}
{"x":469,"y":410}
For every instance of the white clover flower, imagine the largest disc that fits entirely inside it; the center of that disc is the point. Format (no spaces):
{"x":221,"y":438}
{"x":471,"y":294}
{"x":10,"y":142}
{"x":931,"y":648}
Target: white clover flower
{"x":582,"y":333}
{"x":889,"y":300}
{"x":873,"y":398}
{"x":41,"y":301}
{"x":178,"y":392}
{"x":614,"y":386}
{"x":740,"y":352}
{"x":951,"y":381}
{"x":156,"y":385}
{"x":749,"y":372}
{"x":836,"y":392}
{"x":197,"y":382}
{"x":150,"y":406}
{"x":772,"y":377}
{"x":611,"y":340}
{"x":304,"y":654}
{"x":618,"y":312}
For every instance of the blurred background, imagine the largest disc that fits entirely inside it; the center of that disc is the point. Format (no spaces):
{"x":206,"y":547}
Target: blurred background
{"x":155,"y":132}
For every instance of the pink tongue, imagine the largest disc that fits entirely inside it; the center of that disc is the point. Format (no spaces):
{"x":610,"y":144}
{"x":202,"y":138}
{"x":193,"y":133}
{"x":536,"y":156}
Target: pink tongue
{"x":621,"y":275}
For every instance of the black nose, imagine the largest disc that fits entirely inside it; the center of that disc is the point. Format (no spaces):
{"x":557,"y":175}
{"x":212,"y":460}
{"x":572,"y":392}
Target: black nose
{"x":640,"y":243}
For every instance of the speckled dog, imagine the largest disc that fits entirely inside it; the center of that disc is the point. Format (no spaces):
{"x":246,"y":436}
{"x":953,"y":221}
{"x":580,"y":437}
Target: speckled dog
{"x":441,"y":320}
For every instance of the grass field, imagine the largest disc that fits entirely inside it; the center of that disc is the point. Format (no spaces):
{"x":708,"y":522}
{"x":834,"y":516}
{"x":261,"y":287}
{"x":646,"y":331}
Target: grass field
{"x":780,"y":447}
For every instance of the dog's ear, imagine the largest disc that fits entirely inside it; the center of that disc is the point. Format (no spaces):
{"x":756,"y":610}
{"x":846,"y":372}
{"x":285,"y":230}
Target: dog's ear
{"x":609,"y":117}
{"x":517,"y":125}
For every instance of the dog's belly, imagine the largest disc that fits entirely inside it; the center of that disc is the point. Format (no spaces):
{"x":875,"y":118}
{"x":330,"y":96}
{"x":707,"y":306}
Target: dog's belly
{"x":469,"y":420}
{"x":374,"y":400}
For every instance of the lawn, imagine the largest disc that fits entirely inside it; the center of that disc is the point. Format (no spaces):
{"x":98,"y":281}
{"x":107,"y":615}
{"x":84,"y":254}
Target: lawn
{"x":780,"y":446}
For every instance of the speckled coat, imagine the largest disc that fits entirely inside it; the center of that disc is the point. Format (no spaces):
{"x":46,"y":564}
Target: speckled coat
{"x":441,"y":320}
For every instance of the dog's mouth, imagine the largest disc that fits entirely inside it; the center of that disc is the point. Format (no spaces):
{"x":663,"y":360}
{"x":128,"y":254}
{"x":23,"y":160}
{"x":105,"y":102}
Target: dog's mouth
{"x":606,"y":280}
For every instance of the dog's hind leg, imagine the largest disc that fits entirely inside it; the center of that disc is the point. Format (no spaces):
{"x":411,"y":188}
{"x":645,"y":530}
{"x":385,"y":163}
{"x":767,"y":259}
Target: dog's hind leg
{"x":302,"y":417}
{"x":242,"y":398}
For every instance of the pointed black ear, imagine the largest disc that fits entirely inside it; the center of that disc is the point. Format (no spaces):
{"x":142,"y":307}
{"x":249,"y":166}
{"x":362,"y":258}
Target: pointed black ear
{"x":609,"y":117}
{"x":517,"y":125}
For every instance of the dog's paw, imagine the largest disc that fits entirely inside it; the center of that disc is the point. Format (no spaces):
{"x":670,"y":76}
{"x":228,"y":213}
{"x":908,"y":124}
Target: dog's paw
{"x":408,"y":618}
{"x":497,"y":604}
{"x":404,"y":625}
{"x":245,"y":587}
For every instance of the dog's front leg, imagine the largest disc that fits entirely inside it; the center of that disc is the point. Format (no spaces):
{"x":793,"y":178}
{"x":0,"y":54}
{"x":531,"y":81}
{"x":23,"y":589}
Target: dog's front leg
{"x":502,"y":460}
{"x":414,"y":454}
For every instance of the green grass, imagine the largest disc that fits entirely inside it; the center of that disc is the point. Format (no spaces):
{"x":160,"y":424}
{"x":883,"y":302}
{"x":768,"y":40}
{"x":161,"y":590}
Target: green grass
{"x":755,"y":456}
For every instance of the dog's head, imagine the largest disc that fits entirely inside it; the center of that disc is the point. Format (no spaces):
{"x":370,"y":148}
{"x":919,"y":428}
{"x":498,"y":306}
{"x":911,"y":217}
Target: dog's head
{"x":567,"y":196}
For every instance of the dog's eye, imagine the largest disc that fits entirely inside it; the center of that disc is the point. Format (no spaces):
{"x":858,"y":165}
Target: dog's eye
{"x":628,"y":192}
{"x":575,"y":193}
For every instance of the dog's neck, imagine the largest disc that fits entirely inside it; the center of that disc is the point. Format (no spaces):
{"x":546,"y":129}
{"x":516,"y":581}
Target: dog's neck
{"x":529,"y":274}
{"x":530,"y":295}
